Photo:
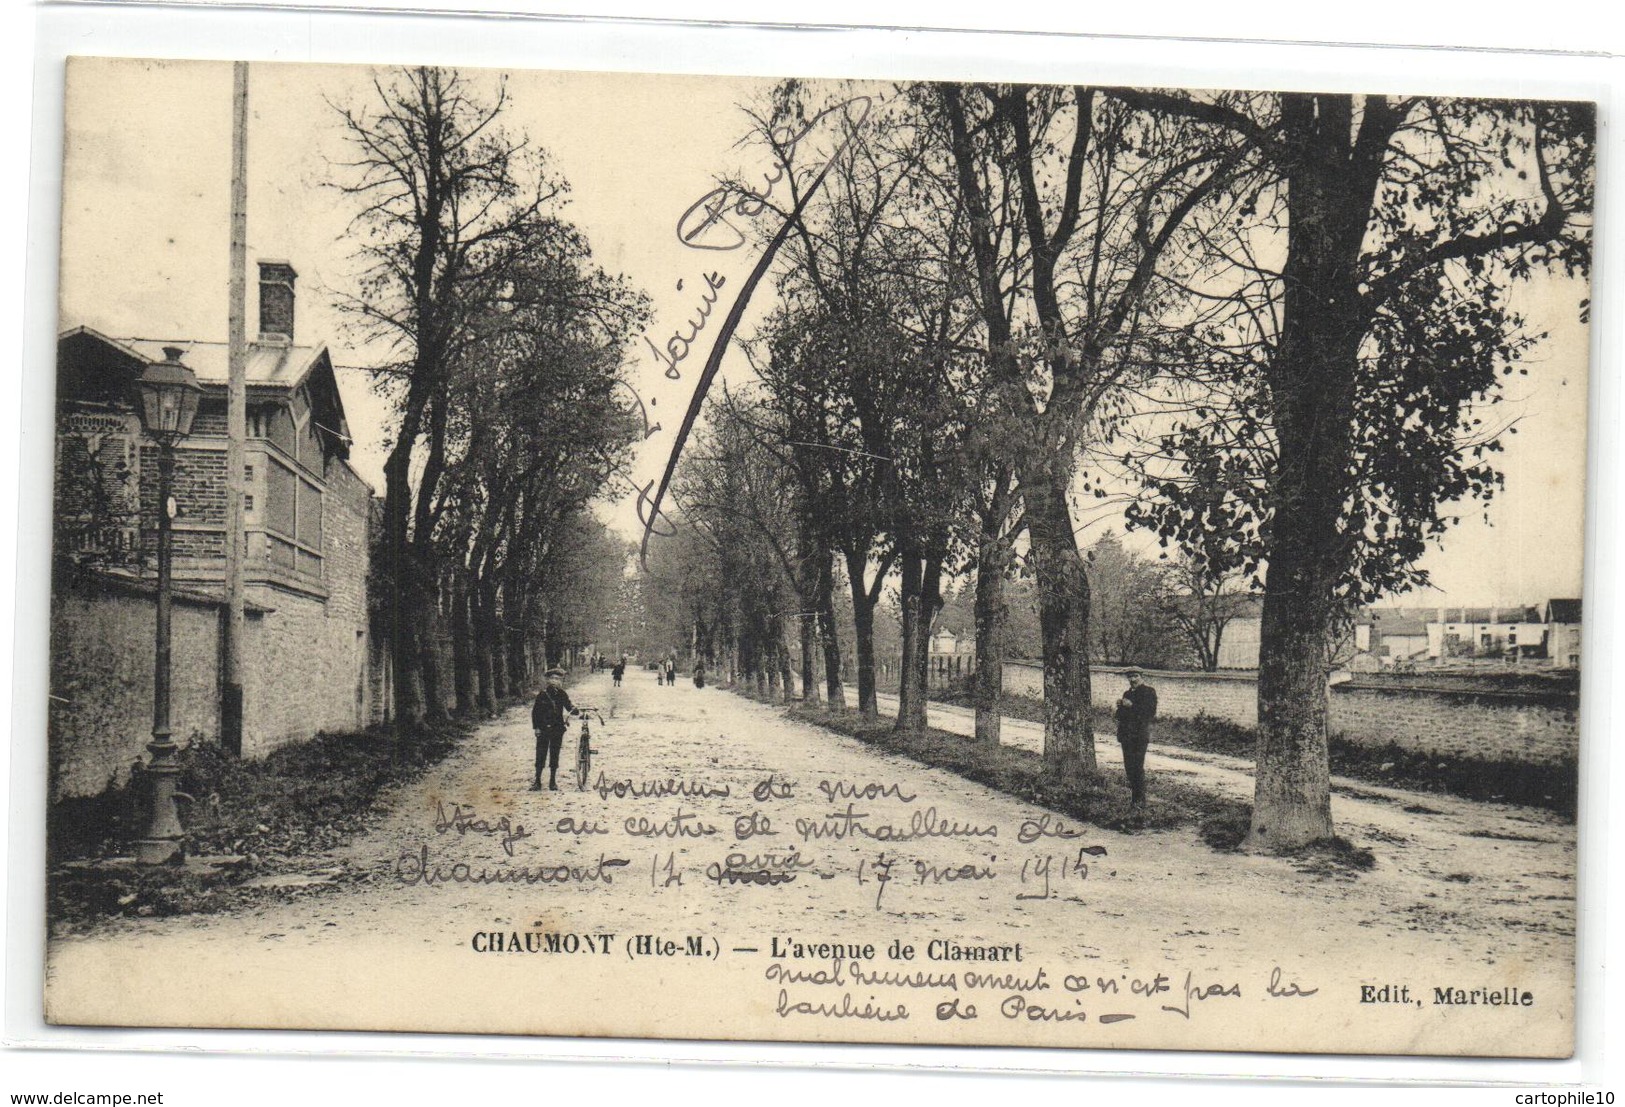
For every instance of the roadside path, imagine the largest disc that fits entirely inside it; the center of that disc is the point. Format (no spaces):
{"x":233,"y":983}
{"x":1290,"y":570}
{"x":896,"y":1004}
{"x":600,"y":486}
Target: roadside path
{"x":1447,"y":838}
{"x":686,"y":771}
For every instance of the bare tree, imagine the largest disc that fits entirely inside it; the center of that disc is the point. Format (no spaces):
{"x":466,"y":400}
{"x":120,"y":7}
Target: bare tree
{"x":447,"y":198}
{"x":1203,"y":603}
{"x":1099,"y":196}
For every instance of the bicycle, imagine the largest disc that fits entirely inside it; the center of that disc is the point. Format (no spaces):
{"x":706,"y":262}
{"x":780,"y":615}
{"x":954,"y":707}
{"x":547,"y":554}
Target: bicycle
{"x":584,"y":746}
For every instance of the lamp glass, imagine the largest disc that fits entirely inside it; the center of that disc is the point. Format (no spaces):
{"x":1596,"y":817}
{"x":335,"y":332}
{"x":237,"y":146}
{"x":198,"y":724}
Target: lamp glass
{"x":170,"y":396}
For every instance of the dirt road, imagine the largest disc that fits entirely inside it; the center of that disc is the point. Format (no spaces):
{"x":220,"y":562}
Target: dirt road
{"x":734,"y":873}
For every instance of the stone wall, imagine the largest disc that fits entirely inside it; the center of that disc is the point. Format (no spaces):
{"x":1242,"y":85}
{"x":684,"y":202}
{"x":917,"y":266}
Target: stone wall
{"x":1531,"y":727}
{"x":1181,"y":695}
{"x":306,"y":658}
{"x":101,"y":682}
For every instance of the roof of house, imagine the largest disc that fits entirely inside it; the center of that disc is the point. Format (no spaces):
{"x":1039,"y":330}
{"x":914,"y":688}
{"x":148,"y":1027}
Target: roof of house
{"x":269,"y":364}
{"x":1562,"y":611}
{"x":1415,"y":620}
{"x":1397,"y":620}
{"x":1491,"y":615}
{"x":95,"y":366}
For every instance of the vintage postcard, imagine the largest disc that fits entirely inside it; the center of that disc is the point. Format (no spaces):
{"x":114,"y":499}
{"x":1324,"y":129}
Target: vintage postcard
{"x":650,"y":556}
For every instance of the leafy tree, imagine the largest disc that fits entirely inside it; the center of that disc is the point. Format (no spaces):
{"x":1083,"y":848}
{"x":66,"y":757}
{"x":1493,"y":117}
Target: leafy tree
{"x":842,"y":366}
{"x":876,"y":365}
{"x":739,"y":492}
{"x":537,"y":428}
{"x":1360,"y":323}
{"x":1130,"y":621}
{"x":577,"y":585}
{"x":96,"y":522}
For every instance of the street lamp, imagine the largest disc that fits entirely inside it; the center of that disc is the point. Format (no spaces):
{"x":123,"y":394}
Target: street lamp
{"x":169,"y":401}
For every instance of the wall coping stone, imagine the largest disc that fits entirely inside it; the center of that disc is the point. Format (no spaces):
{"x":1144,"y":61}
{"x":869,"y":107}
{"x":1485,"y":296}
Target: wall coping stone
{"x":149,"y":589}
{"x":1238,"y":676}
{"x":1526,"y":696}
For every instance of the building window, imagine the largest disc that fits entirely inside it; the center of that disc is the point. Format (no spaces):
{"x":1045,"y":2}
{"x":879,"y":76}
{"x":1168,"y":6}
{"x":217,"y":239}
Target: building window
{"x":293,"y":517}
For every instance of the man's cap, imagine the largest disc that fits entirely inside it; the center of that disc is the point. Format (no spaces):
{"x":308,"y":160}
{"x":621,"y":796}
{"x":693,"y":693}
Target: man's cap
{"x":1131,"y":671}
{"x":554,"y":672}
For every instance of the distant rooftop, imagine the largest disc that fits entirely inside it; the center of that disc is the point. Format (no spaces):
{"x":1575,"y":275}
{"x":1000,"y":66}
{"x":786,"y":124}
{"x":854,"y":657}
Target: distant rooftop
{"x":1562,"y":611}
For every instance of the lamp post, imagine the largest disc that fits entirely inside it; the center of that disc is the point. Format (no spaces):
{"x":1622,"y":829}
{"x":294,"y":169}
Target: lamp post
{"x":169,"y":394}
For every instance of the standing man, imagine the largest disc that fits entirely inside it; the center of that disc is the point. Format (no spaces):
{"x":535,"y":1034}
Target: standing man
{"x":547,"y":719}
{"x":1135,"y":711}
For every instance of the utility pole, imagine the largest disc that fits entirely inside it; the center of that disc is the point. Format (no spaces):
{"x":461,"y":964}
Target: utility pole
{"x":231,"y":692}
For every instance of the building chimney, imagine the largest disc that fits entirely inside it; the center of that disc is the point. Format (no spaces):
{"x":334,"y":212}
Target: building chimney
{"x":276,"y":301}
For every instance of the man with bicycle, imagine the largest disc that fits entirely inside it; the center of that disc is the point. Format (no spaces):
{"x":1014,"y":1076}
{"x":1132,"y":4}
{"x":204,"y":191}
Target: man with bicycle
{"x":547,"y":719}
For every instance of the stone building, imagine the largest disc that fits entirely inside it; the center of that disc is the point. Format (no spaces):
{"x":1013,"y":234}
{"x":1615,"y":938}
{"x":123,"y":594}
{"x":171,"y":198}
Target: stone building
{"x":308,"y":662}
{"x":1563,"y":633}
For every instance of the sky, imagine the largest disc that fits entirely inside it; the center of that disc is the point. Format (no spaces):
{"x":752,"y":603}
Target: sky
{"x":144,"y":254}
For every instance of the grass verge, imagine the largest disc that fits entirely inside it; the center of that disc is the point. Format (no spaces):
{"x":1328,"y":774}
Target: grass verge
{"x":1102,"y":801}
{"x":246,"y":820}
{"x":1552,"y":787}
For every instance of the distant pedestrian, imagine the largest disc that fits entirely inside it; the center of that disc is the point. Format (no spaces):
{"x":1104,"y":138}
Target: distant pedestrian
{"x":1135,"y":710}
{"x":547,"y":719}
{"x":699,"y":674}
{"x":618,"y":671}
{"x":671,"y":672}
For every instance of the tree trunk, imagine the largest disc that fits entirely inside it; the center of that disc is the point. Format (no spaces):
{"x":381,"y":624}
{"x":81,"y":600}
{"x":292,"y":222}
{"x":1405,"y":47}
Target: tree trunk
{"x":399,"y":568}
{"x":786,"y":673}
{"x":406,"y":627}
{"x":513,"y":607}
{"x":863,"y":620}
{"x":922,"y":599}
{"x":485,"y":649}
{"x":835,"y":692}
{"x":1292,"y":802}
{"x":430,"y":665}
{"x":1063,"y":616}
{"x":462,"y":645}
{"x":806,"y":631}
{"x":496,"y":643}
{"x":930,"y":607}
{"x":911,"y":679}
{"x":987,"y":685}
{"x":1312,"y":383}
